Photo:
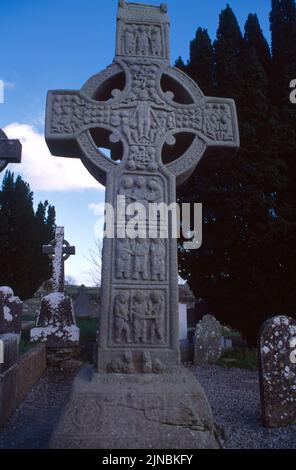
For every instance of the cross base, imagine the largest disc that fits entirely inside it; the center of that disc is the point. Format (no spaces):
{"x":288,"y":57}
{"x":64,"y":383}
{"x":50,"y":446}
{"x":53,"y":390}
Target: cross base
{"x":147,"y":411}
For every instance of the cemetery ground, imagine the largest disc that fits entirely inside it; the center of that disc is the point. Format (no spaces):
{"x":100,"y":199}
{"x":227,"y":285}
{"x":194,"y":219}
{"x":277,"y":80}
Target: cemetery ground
{"x":231,"y":386}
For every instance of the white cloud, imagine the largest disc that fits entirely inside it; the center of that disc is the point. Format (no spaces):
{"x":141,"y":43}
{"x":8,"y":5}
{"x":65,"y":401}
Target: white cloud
{"x":8,"y":85}
{"x":43,"y":171}
{"x":97,"y":209}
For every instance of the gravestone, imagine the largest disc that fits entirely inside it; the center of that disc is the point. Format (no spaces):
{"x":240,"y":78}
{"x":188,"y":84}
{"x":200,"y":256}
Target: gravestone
{"x":10,"y":327}
{"x":10,"y":312}
{"x":143,"y":109}
{"x":82,"y":303}
{"x":277,"y":371}
{"x":56,"y":324}
{"x":207,"y":341}
{"x":10,"y":151}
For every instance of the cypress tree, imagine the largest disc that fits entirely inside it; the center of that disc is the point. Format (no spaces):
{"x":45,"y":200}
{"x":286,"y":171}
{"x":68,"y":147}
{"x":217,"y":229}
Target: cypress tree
{"x":22,"y":234}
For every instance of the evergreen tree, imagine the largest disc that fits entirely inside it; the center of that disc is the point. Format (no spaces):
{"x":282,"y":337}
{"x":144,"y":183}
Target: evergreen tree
{"x":201,"y":63}
{"x":22,"y":234}
{"x":243,"y":269}
{"x":254,"y":38}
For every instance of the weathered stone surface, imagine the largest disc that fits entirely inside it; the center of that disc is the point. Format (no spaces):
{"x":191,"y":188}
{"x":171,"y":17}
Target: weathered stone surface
{"x":82,"y":303}
{"x":18,"y":379}
{"x":129,"y":411}
{"x":8,"y":382}
{"x":31,"y":367}
{"x":10,"y":311}
{"x":277,"y":361}
{"x":10,"y":343}
{"x":10,"y":151}
{"x":56,"y":322}
{"x":59,"y":251}
{"x":141,"y":108}
{"x":207,"y":346}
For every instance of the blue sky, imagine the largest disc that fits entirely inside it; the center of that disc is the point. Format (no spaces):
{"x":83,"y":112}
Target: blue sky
{"x":56,"y":44}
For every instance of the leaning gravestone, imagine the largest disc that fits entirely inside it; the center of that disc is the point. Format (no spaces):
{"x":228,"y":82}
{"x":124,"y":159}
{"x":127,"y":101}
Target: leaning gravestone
{"x":207,"y":342}
{"x":141,"y":107}
{"x":10,"y":151}
{"x":277,"y":366}
{"x":10,"y":327}
{"x":82,"y":303}
{"x":56,"y":325}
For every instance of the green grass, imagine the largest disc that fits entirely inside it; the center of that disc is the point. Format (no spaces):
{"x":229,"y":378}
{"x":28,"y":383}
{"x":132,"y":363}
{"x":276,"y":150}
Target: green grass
{"x":242,"y":358}
{"x":29,"y":317}
{"x":25,"y":344}
{"x":88,"y":328}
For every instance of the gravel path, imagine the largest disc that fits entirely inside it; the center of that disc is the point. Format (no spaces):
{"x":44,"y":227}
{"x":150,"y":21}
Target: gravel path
{"x":232,"y":393}
{"x":33,"y":422}
{"x":235,"y":401}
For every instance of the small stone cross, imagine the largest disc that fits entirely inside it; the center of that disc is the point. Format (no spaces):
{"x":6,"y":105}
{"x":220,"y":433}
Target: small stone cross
{"x":59,"y":250}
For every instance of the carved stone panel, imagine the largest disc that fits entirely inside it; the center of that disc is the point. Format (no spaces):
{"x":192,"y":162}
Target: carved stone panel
{"x":139,"y":318}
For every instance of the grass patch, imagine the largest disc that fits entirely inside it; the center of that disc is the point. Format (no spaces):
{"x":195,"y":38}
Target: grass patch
{"x":243,"y":358}
{"x":25,"y":344}
{"x":88,"y":328}
{"x":29,"y":317}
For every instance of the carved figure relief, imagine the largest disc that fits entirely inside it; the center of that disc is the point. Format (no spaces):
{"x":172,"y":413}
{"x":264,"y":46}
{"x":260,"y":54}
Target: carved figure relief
{"x":139,"y":317}
{"x":143,"y":40}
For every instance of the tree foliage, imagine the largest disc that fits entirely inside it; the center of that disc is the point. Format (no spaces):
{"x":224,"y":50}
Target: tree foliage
{"x":244,"y":270}
{"x":22,"y":234}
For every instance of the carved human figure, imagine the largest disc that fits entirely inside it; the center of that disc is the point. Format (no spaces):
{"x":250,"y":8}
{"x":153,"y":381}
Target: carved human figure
{"x":123,"y":258}
{"x":141,"y":253}
{"x":158,"y":256}
{"x":154,"y":191}
{"x":122,"y":317}
{"x":142,"y":41}
{"x":157,"y":310}
{"x":147,"y":367}
{"x":139,"y":192}
{"x":143,"y":112}
{"x":139,"y":322}
{"x":126,"y":188}
{"x":125,"y":125}
{"x":130,"y":41}
{"x":155,"y":40}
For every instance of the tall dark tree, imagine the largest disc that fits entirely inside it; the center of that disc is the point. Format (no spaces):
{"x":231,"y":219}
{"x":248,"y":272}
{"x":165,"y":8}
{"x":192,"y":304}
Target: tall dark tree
{"x":243,"y":269}
{"x":22,"y":234}
{"x":201,"y":63}
{"x":254,"y":38}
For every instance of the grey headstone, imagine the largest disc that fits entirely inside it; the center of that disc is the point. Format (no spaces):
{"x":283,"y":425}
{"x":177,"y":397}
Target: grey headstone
{"x":11,"y":309}
{"x":207,"y":342}
{"x":82,"y":303}
{"x":139,"y":321}
{"x":56,"y":324}
{"x":9,"y":350}
{"x":277,"y":361}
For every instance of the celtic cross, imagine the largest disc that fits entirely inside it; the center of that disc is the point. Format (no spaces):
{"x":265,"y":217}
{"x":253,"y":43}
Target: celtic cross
{"x":10,"y":151}
{"x":59,"y":250}
{"x":158,"y":125}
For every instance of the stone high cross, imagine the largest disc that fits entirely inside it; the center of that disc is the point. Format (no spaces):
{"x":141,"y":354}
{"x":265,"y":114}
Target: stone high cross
{"x":59,"y":250}
{"x":158,"y":125}
{"x":10,"y":151}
